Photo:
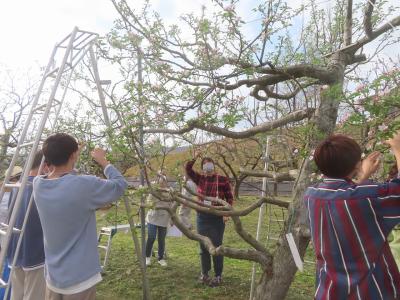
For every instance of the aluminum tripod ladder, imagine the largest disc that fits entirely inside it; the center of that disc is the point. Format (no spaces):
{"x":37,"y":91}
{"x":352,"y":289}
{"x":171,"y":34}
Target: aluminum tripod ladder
{"x":46,"y":106}
{"x":108,"y":233}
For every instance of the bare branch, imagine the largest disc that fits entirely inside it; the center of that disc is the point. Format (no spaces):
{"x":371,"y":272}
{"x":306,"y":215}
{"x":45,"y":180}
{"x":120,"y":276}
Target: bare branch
{"x":395,"y":22}
{"x":367,"y":18}
{"x":271,"y":94}
{"x":264,"y":127}
{"x":278,"y":177}
{"x":322,"y":74}
{"x":246,"y":236}
{"x":348,"y":26}
{"x":264,"y":258}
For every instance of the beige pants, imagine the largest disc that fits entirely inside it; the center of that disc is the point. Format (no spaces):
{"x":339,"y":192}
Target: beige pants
{"x":89,"y":294}
{"x":28,"y":285}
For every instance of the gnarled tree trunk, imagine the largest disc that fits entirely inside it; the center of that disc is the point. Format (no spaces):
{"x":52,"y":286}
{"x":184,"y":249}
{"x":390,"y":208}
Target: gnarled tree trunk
{"x":274,"y":284}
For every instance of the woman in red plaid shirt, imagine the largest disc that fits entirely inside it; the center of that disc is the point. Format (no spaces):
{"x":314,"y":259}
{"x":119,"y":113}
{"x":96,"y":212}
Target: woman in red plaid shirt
{"x":210,"y":184}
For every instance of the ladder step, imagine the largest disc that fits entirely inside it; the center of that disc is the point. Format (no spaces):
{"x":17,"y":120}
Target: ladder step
{"x":29,"y":144}
{"x":309,"y":262}
{"x":40,"y":107}
{"x":13,"y":185}
{"x":50,"y":73}
{"x":4,"y":232}
{"x":103,"y":247}
{"x":3,"y":284}
{"x":103,"y":233}
{"x":26,"y":144}
{"x":5,"y":226}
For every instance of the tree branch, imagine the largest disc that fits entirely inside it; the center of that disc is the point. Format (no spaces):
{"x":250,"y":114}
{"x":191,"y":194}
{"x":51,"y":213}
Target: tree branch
{"x":367,"y":18}
{"x":324,"y":75}
{"x":265,"y":259}
{"x":365,"y":40}
{"x":271,"y":94}
{"x":246,"y":236}
{"x":264,"y":127}
{"x":348,"y":26}
{"x":278,"y":177}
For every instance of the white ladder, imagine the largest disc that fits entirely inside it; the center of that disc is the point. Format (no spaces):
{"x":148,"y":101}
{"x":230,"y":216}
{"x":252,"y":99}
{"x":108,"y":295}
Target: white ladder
{"x":109,"y":233}
{"x":72,"y":49}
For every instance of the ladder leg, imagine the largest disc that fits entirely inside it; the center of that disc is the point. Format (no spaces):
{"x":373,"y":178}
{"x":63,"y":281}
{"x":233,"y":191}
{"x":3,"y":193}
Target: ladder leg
{"x":107,"y":251}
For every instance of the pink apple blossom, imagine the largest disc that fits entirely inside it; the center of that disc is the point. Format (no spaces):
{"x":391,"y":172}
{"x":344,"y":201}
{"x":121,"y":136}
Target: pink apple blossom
{"x":360,"y":87}
{"x":230,"y":8}
{"x":383,"y":127}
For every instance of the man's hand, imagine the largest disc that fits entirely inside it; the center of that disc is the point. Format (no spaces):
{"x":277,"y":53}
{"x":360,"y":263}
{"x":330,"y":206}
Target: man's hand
{"x":370,"y":165}
{"x":99,"y":156}
{"x":226,"y":218}
{"x":394,"y":142}
{"x":197,"y":153}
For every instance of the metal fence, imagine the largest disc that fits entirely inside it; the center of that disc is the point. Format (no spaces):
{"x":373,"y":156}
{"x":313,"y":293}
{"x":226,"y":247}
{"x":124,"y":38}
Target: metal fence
{"x":247,"y":188}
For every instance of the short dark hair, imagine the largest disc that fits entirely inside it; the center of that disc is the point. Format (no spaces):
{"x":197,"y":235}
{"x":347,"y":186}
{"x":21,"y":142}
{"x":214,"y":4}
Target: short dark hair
{"x":37,"y":160}
{"x":58,"y":148}
{"x":206,"y":159}
{"x":337,"y":156}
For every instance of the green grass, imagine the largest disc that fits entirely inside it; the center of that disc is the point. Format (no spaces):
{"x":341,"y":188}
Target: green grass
{"x":179,"y":280}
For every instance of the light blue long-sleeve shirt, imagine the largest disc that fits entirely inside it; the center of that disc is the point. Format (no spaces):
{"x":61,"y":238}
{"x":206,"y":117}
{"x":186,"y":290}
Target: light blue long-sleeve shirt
{"x":66,"y":207}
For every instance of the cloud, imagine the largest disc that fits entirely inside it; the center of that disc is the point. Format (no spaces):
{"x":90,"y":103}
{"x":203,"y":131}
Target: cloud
{"x":30,"y":29}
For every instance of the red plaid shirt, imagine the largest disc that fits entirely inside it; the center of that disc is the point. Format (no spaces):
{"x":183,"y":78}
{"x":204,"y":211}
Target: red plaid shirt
{"x":209,"y":185}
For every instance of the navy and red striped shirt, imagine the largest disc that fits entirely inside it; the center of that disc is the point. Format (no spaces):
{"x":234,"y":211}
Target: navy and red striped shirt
{"x":349,"y":226}
{"x":210,"y":185}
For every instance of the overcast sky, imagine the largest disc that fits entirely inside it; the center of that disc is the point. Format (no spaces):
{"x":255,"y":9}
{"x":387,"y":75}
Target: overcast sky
{"x":30,"y":28}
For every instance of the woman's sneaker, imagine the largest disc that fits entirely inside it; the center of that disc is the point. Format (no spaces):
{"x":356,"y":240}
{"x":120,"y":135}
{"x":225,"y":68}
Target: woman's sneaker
{"x":204,"y":279}
{"x":216,"y":281}
{"x":163,"y":262}
{"x":148,"y":261}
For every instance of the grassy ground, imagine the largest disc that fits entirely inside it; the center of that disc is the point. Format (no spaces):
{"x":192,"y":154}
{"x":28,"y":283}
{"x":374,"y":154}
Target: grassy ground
{"x":179,"y":280}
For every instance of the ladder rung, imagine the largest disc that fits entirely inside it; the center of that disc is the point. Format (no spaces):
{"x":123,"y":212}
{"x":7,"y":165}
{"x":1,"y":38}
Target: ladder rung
{"x":52,"y":72}
{"x":28,"y":144}
{"x":39,"y":107}
{"x":44,"y":105}
{"x":3,"y":232}
{"x":104,"y":233}
{"x":102,"y":247}
{"x":3,"y":284}
{"x":15,"y":230}
{"x":13,"y":185}
{"x":309,"y":262}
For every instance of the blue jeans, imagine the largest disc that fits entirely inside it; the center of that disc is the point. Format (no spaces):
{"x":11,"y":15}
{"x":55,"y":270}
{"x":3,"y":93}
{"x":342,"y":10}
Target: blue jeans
{"x":151,"y":237}
{"x":212,"y":227}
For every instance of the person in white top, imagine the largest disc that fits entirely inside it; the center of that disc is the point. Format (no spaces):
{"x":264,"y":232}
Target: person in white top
{"x":158,"y":220}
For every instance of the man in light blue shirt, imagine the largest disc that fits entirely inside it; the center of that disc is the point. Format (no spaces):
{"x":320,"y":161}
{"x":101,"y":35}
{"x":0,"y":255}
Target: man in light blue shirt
{"x":66,"y":204}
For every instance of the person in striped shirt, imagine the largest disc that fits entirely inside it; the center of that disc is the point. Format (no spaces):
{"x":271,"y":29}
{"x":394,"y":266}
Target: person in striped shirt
{"x":350,"y":221}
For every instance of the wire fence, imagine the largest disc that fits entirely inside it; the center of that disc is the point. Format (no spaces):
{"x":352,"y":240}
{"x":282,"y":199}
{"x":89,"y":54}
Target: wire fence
{"x":247,"y":188}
